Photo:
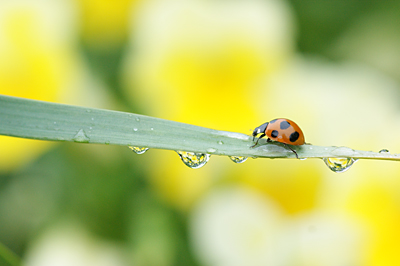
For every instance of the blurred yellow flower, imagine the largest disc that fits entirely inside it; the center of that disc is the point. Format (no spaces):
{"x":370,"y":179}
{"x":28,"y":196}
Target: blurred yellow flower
{"x":36,"y":61}
{"x":349,"y":105}
{"x":104,"y":23}
{"x":379,"y":208}
{"x":193,"y":60}
{"x":202,"y":62}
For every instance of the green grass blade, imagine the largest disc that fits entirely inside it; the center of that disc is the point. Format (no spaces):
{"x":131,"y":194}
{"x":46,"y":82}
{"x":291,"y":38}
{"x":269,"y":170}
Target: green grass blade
{"x":32,"y":119}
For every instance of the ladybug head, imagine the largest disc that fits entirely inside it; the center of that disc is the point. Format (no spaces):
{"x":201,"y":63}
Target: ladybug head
{"x":260,"y":129}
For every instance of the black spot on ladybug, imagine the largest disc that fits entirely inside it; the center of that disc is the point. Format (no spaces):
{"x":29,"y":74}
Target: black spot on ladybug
{"x":294,"y":136}
{"x":273,"y":121}
{"x":274,"y":133}
{"x":285,"y":125}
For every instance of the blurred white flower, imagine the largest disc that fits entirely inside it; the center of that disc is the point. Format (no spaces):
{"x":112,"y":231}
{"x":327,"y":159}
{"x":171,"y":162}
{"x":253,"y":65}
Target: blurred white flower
{"x":318,"y":239}
{"x":234,"y":227}
{"x":343,"y":104}
{"x":45,"y":22}
{"x":68,"y":245}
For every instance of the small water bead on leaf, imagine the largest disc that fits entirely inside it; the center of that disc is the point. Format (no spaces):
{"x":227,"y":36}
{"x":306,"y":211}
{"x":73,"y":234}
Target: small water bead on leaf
{"x":211,"y":150}
{"x":339,"y":165}
{"x":383,"y":150}
{"x":238,"y":159}
{"x":194,"y":160}
{"x":81,"y":137}
{"x":138,"y":150}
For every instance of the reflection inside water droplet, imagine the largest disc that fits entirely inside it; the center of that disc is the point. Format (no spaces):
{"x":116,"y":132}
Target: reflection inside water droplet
{"x":138,"y":150}
{"x":81,"y":137}
{"x":238,"y":159}
{"x":194,"y":160}
{"x":383,"y":150}
{"x":339,"y":165}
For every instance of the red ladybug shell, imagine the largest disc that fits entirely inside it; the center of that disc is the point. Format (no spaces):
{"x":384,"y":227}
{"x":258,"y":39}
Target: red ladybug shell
{"x":285,"y":131}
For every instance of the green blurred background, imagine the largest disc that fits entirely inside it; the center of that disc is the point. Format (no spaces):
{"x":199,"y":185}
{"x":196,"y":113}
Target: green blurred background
{"x":331,"y":66}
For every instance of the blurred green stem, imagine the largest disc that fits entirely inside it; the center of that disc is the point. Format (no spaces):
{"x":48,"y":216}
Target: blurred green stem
{"x":32,"y":119}
{"x":10,"y":257}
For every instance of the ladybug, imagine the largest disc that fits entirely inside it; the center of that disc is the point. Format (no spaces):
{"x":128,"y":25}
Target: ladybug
{"x":281,"y":130}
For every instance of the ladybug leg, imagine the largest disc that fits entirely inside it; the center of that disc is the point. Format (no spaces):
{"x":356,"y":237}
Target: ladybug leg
{"x":269,"y":140}
{"x":261,"y":136}
{"x":287,"y":146}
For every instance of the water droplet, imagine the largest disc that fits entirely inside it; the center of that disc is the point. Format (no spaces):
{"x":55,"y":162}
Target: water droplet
{"x":302,"y":159}
{"x":211,"y":150}
{"x":194,"y":160}
{"x":55,"y":123}
{"x":383,"y":150}
{"x":135,"y":129}
{"x":220,"y":142}
{"x":81,"y":136}
{"x":90,"y":128}
{"x":92,"y":118}
{"x":138,"y":150}
{"x":151,"y":128}
{"x":339,"y":165}
{"x":137,"y":119}
{"x":238,"y":159}
{"x":88,"y":110}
